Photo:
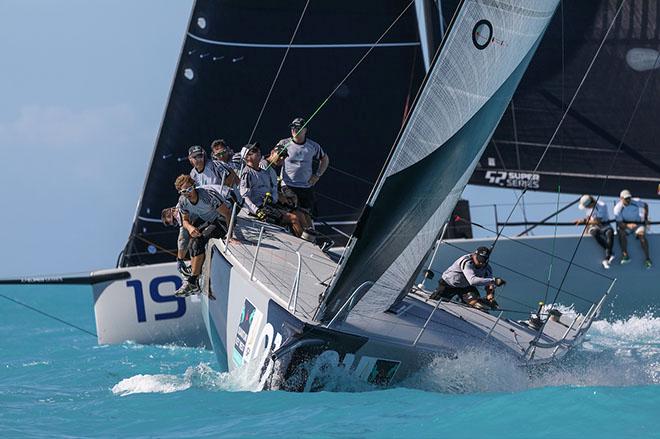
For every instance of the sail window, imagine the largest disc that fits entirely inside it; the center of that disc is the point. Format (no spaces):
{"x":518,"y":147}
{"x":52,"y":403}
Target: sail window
{"x":201,"y":23}
{"x":189,"y":74}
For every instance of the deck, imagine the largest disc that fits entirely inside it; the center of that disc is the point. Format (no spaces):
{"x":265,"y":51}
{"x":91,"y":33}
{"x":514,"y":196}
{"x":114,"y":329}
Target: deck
{"x":279,"y":256}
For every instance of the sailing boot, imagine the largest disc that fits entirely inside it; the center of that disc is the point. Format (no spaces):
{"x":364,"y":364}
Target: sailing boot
{"x":190,"y":286}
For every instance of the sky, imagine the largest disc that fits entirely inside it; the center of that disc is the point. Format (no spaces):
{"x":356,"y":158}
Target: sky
{"x":84,"y":87}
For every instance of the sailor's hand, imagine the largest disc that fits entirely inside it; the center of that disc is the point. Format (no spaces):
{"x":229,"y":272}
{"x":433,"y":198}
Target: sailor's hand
{"x":578,"y":221}
{"x":261,"y":215}
{"x":313,"y":179}
{"x":194,"y":232}
{"x":182,"y":267}
{"x":499,"y":281}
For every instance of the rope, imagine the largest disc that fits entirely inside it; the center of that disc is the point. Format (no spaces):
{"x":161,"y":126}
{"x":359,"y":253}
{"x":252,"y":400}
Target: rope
{"x":162,"y":249}
{"x":49,"y":315}
{"x":272,"y":85}
{"x":563,"y":117}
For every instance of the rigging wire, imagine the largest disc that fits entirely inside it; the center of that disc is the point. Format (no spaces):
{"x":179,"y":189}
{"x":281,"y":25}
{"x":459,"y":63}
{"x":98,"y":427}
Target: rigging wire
{"x":565,"y":113}
{"x":18,"y":302}
{"x":561,"y":161}
{"x":272,"y":85}
{"x":371,"y":48}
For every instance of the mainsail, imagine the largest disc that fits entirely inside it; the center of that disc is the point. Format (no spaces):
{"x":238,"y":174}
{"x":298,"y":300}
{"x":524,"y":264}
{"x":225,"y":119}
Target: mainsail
{"x":230,"y":55}
{"x":616,"y":109}
{"x":482,"y":59}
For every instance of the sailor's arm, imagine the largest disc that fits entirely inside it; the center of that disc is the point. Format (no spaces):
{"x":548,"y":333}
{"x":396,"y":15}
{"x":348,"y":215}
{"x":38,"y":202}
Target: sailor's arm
{"x":194,"y":232}
{"x":225,"y":212}
{"x":475,"y":280}
{"x":245,"y":192}
{"x":323,"y":166}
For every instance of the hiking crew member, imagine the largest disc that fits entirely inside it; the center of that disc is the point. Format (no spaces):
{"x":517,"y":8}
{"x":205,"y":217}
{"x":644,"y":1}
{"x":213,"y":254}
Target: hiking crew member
{"x":171,"y":217}
{"x":632,"y":216}
{"x":221,"y":153}
{"x":304,"y":166}
{"x":259,"y":191}
{"x":597,"y":219}
{"x":202,"y":210}
{"x":464,"y":276}
{"x":206,"y":171}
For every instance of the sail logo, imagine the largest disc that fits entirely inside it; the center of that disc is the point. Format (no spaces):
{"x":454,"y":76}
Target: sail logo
{"x":518,"y":180}
{"x":482,"y":34}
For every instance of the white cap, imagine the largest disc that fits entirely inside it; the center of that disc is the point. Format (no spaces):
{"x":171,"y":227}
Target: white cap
{"x":585,"y":201}
{"x":625,"y":194}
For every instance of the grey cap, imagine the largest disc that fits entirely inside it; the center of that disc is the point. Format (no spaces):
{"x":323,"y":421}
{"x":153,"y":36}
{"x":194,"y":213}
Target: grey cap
{"x":298,"y":122}
{"x":196,"y":149}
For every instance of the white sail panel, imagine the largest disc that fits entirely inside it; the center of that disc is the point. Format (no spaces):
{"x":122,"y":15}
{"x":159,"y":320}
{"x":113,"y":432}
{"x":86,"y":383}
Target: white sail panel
{"x":469,"y":87}
{"x":465,"y":78}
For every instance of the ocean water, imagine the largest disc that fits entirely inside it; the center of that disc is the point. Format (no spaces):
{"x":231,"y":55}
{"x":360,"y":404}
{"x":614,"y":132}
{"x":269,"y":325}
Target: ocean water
{"x":55,"y":381}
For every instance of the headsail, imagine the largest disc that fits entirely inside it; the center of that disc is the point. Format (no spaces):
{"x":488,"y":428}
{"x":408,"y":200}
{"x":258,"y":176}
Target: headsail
{"x":223,"y":77}
{"x":625,"y":75}
{"x":471,"y":82}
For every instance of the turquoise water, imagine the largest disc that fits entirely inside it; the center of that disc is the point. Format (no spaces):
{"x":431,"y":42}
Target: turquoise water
{"x":56,"y":381}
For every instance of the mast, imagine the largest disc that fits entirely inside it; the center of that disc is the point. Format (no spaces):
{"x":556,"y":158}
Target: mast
{"x":487,"y":49}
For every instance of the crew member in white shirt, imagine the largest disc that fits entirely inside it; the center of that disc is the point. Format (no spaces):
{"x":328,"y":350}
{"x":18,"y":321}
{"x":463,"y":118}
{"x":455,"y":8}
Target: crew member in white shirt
{"x":632,"y":216}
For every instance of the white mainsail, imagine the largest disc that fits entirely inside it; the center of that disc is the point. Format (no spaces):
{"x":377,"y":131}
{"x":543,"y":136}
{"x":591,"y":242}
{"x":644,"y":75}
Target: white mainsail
{"x":471,"y":82}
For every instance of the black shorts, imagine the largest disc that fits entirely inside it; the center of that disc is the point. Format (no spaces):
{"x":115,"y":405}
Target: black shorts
{"x":306,"y":198}
{"x":197,"y":246}
{"x":446,"y":291}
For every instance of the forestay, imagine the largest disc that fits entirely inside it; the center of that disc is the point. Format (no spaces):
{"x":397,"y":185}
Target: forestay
{"x":487,"y":50}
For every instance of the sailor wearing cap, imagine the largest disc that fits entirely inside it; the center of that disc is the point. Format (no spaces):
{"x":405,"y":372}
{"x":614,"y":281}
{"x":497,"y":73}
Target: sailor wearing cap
{"x":464,"y":276}
{"x":206,"y":171}
{"x":597,"y":219}
{"x":305,"y":164}
{"x":632,"y":216}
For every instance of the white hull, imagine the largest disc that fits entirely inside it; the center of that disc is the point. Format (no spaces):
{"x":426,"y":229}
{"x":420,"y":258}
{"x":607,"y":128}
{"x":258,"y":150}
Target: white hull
{"x":259,"y":324}
{"x":519,"y":261}
{"x":143,"y":309}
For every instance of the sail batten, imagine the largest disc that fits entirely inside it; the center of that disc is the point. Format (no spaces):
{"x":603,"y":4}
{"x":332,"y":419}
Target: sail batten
{"x":470,"y":85}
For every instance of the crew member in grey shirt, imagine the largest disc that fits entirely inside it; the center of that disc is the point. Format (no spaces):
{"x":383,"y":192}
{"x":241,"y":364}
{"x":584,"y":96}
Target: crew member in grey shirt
{"x":202,"y":211}
{"x":632,"y":216}
{"x":207,"y":171}
{"x":259,"y":191}
{"x":304,"y":166}
{"x":464,"y":276}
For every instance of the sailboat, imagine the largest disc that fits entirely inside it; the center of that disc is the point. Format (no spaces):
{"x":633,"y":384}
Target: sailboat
{"x":283,"y":305}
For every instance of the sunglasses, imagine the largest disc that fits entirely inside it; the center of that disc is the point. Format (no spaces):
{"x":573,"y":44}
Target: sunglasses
{"x":197,"y":157}
{"x":187,"y":190}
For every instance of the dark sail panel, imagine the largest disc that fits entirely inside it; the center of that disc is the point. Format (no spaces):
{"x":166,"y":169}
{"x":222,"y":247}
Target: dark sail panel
{"x":624,"y":75}
{"x":229,"y":59}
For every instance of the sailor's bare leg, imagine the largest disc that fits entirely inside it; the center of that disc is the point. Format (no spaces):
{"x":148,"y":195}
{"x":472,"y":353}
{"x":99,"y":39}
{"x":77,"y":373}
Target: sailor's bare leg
{"x":623,"y":241}
{"x":196,"y":264}
{"x":645,"y":244}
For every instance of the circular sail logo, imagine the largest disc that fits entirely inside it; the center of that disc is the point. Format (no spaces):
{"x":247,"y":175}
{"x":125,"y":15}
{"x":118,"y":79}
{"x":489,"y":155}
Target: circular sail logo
{"x":482,"y":34}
